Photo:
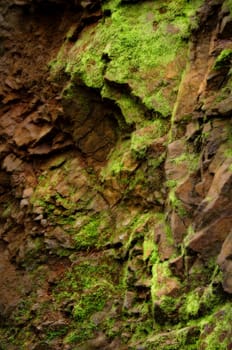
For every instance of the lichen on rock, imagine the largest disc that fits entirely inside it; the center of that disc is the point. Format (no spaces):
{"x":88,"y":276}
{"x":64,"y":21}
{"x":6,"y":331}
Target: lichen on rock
{"x":115,"y":179}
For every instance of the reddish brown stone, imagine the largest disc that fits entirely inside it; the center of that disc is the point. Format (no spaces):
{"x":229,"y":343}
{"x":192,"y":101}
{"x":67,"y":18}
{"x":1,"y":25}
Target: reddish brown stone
{"x":178,"y":227}
{"x":165,"y":244}
{"x":225,"y":262}
{"x":177,"y":266}
{"x":226,"y":27}
{"x":209,"y":240}
{"x":186,"y":191}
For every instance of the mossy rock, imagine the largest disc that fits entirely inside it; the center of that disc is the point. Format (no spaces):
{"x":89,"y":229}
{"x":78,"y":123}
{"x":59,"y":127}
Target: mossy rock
{"x":224,"y":60}
{"x":116,"y":50}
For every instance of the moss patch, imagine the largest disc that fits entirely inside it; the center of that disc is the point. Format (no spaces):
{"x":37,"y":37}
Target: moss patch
{"x":223,"y":60}
{"x":117,"y":50}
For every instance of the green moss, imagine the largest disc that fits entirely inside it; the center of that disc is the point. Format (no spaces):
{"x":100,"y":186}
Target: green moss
{"x":88,"y":236}
{"x":141,"y":330}
{"x":223,"y":60}
{"x":131,"y":109}
{"x":180,"y":339}
{"x":88,"y":287}
{"x":159,"y":103}
{"x":160,"y":274}
{"x":148,"y":248}
{"x":84,"y":332}
{"x":191,"y":306}
{"x":176,"y":203}
{"x":219,"y":324}
{"x":115,"y":164}
{"x":33,"y":251}
{"x":142,"y":138}
{"x":171,"y":183}
{"x":51,"y":334}
{"x":90,"y":303}
{"x":191,"y":159}
{"x":138,"y":227}
{"x":228,"y":3}
{"x":7,"y":210}
{"x":116,"y":49}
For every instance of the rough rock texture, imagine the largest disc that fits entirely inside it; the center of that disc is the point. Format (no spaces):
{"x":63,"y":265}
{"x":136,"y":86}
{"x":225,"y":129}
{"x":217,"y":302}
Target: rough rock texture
{"x":116,"y":174}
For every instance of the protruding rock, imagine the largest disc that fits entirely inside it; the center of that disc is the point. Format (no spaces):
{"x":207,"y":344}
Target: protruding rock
{"x":209,"y":240}
{"x":225,"y":262}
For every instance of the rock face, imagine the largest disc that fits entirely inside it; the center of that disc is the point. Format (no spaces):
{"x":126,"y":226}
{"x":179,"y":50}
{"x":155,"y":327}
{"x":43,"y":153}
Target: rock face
{"x":116,"y":175}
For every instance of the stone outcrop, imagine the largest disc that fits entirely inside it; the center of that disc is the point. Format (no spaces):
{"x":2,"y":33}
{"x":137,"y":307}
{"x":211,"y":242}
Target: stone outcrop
{"x":116,"y":175}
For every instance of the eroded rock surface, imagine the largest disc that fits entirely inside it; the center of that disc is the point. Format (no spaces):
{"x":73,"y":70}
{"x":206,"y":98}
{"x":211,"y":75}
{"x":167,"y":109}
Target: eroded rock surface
{"x":116,"y":175}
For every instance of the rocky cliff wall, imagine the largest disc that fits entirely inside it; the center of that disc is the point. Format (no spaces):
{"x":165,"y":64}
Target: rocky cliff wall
{"x":116,"y":171}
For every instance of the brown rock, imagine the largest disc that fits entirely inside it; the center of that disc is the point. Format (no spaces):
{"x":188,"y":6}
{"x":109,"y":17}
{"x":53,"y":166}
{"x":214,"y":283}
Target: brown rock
{"x":225,"y":262}
{"x":202,"y":187}
{"x":93,"y":126}
{"x":186,"y":191}
{"x":164,"y":242}
{"x":59,"y":238}
{"x":217,"y":203}
{"x":218,"y":159}
{"x":4,"y":178}
{"x":209,"y":240}
{"x":98,"y":203}
{"x":11,"y":163}
{"x":191,"y":129}
{"x":176,"y":148}
{"x":28,"y":192}
{"x":129,"y":299}
{"x":14,"y":285}
{"x":226,"y":27}
{"x":177,"y":266}
{"x":225,"y":107}
{"x":28,"y":132}
{"x":166,"y":285}
{"x":178,"y":227}
{"x":173,"y":170}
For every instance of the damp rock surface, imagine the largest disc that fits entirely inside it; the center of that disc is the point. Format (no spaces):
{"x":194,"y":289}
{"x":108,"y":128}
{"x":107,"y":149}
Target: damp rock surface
{"x":116,"y":175}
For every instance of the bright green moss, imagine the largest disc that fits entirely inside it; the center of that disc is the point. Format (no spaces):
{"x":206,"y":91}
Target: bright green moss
{"x":219,"y":337}
{"x":224,"y":59}
{"x":131,"y":109}
{"x":191,"y":160}
{"x":88,"y":236}
{"x":176,"y":203}
{"x":191,"y":306}
{"x":89,"y":303}
{"x":135,"y":46}
{"x":115,"y":164}
{"x":160,"y":273}
{"x":228,"y":4}
{"x":88,"y":286}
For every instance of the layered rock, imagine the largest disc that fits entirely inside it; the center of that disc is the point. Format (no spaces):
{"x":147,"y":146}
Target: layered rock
{"x":115,"y":179}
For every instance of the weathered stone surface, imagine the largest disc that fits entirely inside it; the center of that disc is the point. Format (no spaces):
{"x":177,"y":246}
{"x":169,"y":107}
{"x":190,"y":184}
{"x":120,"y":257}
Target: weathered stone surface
{"x":14,"y":285}
{"x":28,"y":132}
{"x":94,"y":128}
{"x":225,"y":262}
{"x":163,"y":241}
{"x":209,"y":240}
{"x":186,"y":191}
{"x":178,"y":227}
{"x":11,"y":163}
{"x":177,"y":266}
{"x":225,"y":107}
{"x":59,"y":238}
{"x":176,"y":170}
{"x":225,"y":30}
{"x":98,"y":243}
{"x":217,"y":200}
